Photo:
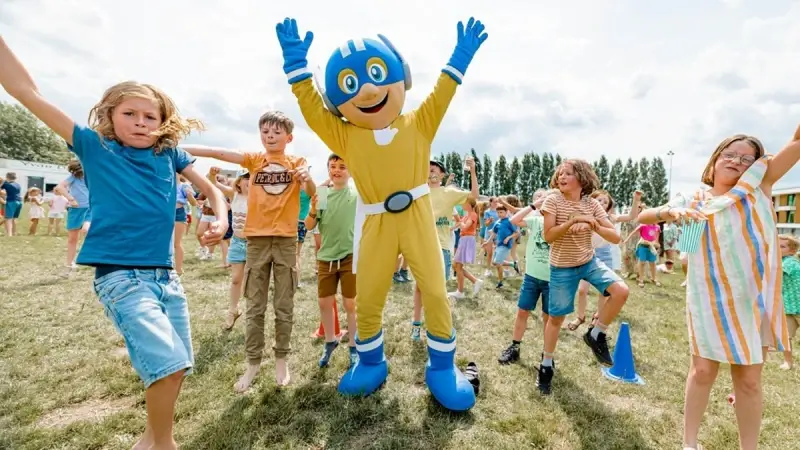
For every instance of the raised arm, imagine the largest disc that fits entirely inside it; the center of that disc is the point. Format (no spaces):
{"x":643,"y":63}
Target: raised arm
{"x":218,"y":204}
{"x":222,"y":154}
{"x":18,"y":83}
{"x":637,"y":200}
{"x":782,"y":162}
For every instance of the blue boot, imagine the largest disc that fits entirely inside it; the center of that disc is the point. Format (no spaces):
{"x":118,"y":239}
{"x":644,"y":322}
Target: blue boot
{"x":371,"y":370}
{"x":447,"y":384}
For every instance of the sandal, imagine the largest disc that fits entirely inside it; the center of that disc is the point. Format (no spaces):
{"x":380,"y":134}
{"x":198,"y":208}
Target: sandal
{"x":595,"y":317}
{"x":641,"y":283}
{"x":657,"y":283}
{"x":230,"y":321}
{"x":576,"y":323}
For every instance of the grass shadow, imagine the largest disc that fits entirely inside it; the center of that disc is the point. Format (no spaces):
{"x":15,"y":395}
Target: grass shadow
{"x":597,"y":426}
{"x":314,"y":415}
{"x":212,"y":347}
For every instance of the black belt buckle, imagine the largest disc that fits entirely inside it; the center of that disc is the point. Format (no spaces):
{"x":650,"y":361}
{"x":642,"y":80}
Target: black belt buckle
{"x":398,"y":202}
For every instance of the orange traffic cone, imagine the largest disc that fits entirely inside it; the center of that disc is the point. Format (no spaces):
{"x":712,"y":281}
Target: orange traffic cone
{"x":320,"y":333}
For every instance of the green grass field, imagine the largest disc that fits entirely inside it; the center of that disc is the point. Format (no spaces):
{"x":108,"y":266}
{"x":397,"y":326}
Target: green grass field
{"x":66,"y":383}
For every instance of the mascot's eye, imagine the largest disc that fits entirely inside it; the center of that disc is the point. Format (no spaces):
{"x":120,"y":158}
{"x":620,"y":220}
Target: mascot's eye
{"x":348,"y":82}
{"x":376,"y":69}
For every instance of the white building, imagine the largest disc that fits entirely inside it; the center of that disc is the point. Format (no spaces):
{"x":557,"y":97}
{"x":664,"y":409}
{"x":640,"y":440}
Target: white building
{"x":42,"y":175}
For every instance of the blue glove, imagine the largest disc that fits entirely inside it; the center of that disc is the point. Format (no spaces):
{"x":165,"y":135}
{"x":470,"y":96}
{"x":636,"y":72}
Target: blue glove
{"x":469,"y":41}
{"x":294,"y":49}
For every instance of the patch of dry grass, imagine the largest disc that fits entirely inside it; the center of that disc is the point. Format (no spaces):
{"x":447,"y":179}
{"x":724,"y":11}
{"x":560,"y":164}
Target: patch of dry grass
{"x":65,"y":382}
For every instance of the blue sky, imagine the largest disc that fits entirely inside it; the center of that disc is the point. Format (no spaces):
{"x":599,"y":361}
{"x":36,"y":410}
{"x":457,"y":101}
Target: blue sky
{"x":623,"y":78}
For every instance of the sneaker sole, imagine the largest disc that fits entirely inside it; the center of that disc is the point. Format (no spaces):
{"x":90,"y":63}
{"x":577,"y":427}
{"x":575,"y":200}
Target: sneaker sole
{"x":599,"y":358}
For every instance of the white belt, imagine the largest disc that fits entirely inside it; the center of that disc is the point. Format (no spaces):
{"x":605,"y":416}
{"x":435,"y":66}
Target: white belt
{"x":363,"y":210}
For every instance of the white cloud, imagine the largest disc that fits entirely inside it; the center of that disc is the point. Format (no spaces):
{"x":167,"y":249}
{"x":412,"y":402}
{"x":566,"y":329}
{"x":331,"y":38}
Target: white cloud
{"x":623,"y":78}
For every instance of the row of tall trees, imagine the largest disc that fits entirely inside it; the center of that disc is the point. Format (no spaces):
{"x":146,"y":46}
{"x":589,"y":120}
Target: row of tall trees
{"x":24,"y":137}
{"x":522,"y":176}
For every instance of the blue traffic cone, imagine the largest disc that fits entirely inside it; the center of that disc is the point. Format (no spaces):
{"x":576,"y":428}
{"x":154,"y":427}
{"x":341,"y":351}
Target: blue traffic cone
{"x":623,"y":369}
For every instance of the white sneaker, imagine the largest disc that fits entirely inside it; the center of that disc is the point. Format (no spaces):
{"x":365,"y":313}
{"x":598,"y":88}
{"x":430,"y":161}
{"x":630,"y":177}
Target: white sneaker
{"x":476,"y":288}
{"x":457,"y":295}
{"x":683,"y":284}
{"x":487,"y":273}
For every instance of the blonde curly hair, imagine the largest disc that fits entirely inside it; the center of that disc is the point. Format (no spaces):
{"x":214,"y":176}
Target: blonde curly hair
{"x":173,"y":127}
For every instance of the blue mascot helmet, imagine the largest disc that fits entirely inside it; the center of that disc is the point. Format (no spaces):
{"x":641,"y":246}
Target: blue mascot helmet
{"x":360,"y":61}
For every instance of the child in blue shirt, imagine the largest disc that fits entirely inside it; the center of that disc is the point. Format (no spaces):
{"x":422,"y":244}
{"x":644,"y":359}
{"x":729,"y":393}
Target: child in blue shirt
{"x":129,"y":151}
{"x":13,"y":202}
{"x":504,"y":233}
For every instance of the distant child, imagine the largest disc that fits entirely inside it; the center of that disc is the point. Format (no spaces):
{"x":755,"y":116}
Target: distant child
{"x":646,"y":250}
{"x":536,"y":283}
{"x":305,"y":205}
{"x":503,"y":234}
{"x":58,"y":207}
{"x":79,"y":215}
{"x":336,"y":220}
{"x":570,"y":219}
{"x":273,"y":205}
{"x":667,"y":267}
{"x":35,"y":212}
{"x":443,"y":199}
{"x":790,"y":291}
{"x":129,"y":154}
{"x":465,"y":252}
{"x":489,"y":217}
{"x":184,"y":201}
{"x":13,"y":202}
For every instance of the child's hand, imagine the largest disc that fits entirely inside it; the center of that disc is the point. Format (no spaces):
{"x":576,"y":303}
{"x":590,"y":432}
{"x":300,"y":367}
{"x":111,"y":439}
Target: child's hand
{"x":73,"y":203}
{"x":676,"y":214}
{"x":505,"y":241}
{"x":215,"y":233}
{"x":214,"y":171}
{"x":301,"y":174}
{"x":580,"y":227}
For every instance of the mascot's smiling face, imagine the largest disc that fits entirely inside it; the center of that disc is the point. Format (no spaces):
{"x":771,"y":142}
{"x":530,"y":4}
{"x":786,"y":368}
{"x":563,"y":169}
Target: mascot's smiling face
{"x":366,"y":81}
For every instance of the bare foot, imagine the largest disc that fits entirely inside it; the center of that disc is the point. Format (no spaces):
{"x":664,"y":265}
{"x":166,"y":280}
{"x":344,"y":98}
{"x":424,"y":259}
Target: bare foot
{"x":144,"y":442}
{"x":282,"y":376}
{"x":247,"y":379}
{"x":230,"y":320}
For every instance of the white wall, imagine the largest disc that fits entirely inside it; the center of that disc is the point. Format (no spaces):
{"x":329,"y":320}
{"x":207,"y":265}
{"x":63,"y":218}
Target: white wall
{"x":51,"y":173}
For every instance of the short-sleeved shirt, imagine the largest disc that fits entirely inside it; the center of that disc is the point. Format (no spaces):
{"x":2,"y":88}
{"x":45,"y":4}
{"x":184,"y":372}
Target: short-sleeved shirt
{"x":472,"y":228}
{"x":649,"y":232}
{"x":305,"y":205}
{"x":146,"y":180}
{"x":78,"y":189}
{"x":12,"y":189}
{"x":336,"y":224}
{"x":572,"y":249}
{"x":273,"y":203}
{"x":59,"y":204}
{"x":443,"y":200}
{"x":492,"y":215}
{"x":790,"y":288}
{"x":537,"y":251}
{"x":502,"y":229}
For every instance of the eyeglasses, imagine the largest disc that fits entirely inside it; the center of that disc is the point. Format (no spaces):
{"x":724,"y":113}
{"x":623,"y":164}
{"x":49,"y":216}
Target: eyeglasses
{"x":746,"y":160}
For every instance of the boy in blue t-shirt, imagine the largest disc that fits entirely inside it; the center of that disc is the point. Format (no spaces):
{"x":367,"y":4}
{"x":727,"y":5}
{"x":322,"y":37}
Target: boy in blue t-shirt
{"x":13,"y":202}
{"x":128,"y":152}
{"x":504,"y":233}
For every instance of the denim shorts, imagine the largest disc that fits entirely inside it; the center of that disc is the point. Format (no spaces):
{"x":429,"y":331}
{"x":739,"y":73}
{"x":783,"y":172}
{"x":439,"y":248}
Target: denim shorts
{"x":148,"y":307}
{"x":501,"y":253}
{"x":180,"y":215}
{"x":237,"y":253}
{"x":645,"y":254}
{"x":564,"y":283}
{"x":448,"y":264}
{"x":76,"y":217}
{"x":532,"y":289}
{"x":301,"y":231}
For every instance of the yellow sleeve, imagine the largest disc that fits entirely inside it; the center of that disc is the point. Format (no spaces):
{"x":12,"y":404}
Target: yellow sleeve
{"x":331,"y":129}
{"x":455,"y":197}
{"x":253,"y":161}
{"x":430,"y":113}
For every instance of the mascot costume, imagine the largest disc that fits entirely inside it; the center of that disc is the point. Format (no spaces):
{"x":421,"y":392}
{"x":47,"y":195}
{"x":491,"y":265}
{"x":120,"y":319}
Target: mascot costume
{"x":356,"y":113}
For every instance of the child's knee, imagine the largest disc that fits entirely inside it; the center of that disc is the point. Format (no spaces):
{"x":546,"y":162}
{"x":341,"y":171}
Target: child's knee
{"x":349,"y":305}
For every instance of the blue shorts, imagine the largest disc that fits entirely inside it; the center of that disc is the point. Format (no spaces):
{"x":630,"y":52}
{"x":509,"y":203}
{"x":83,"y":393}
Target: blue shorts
{"x":644,"y":254}
{"x":501,"y":253}
{"x":180,"y":215}
{"x":564,"y":283}
{"x":532,"y":289}
{"x":148,"y":307}
{"x":604,"y":254}
{"x":301,"y":231}
{"x":13,"y":209}
{"x":76,"y":217}
{"x":237,"y":253}
{"x":448,"y":265}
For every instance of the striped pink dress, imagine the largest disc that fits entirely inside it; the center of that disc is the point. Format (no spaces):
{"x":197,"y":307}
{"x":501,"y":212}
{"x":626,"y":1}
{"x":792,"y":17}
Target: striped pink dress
{"x":733,"y":295}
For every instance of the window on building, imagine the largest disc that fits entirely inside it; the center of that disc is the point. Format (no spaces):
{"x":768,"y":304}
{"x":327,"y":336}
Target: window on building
{"x":790,"y":201}
{"x":790,"y":217}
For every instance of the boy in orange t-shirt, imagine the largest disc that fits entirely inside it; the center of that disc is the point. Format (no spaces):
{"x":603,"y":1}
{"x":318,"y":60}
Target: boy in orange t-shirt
{"x":273,"y":205}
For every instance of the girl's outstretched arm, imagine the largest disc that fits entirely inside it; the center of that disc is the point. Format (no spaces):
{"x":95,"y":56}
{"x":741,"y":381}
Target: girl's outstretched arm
{"x":782,"y":162}
{"x":18,"y":83}
{"x":222,"y":154}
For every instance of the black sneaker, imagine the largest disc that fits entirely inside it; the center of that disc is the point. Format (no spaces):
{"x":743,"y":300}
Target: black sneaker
{"x":516,"y":268}
{"x":544,"y":378}
{"x":404,"y":276}
{"x":599,"y":346}
{"x":509,"y":355}
{"x":499,"y":285}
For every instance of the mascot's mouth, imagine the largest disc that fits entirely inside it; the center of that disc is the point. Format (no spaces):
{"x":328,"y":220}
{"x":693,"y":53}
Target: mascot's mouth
{"x":376,"y":107}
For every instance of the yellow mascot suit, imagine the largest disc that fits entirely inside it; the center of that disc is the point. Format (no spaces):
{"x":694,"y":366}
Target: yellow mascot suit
{"x":356,"y":113}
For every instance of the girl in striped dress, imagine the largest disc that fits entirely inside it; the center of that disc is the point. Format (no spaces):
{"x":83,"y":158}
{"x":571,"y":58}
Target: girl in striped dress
{"x":733,"y":297}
